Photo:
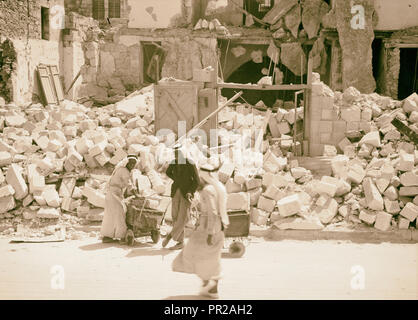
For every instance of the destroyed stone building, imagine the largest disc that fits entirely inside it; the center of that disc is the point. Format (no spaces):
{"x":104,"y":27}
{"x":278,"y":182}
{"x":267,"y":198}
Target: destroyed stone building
{"x":323,"y":79}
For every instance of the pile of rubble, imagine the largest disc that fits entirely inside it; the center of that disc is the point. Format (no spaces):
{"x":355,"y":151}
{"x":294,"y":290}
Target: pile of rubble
{"x":55,"y":163}
{"x":374,"y":179}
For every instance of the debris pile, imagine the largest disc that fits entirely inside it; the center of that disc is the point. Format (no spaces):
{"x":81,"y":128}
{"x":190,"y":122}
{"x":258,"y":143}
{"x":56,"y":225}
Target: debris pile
{"x":55,"y":163}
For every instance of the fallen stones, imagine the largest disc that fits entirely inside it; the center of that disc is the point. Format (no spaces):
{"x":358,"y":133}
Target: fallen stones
{"x":289,"y":205}
{"x":410,"y":211}
{"x":373,"y":197}
{"x":383,"y":221}
{"x":15,"y":179}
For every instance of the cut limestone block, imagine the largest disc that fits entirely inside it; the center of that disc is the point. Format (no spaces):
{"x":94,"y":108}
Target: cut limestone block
{"x":344,"y":143}
{"x":143,"y":183}
{"x":15,"y":179}
{"x":323,"y":187}
{"x":356,"y":174}
{"x":239,"y":176}
{"x":82,"y":211}
{"x":66,"y":204}
{"x":408,"y":191}
{"x":392,"y":207}
{"x":7,"y":204}
{"x":253,"y":184}
{"x":102,"y":158}
{"x":238,"y":201}
{"x":409,"y":179}
{"x":5,"y":158}
{"x":322,"y":200}
{"x":344,"y":210}
{"x":6,"y":191}
{"x":255,"y":195}
{"x":273,"y":192}
{"x":327,"y":212}
{"x":289,"y":205}
{"x":274,"y":128}
{"x":383,"y":221}
{"x":67,"y":187}
{"x":266,"y":204}
{"x":91,"y":161}
{"x":406,"y":161}
{"x":95,"y":215}
{"x":280,"y":114}
{"x":373,"y":197}
{"x":74,"y":157}
{"x":156,"y":182}
{"x":259,"y":217}
{"x":28,"y":200}
{"x":283,"y":127}
{"x":367,"y":217}
{"x":403,"y":223}
{"x":97,"y":199}
{"x":232,"y":187}
{"x":83,"y":145}
{"x":382,"y":184}
{"x":410,"y":211}
{"x":371,"y":138}
{"x":225,"y":172}
{"x":51,"y":197}
{"x":118,"y":156}
{"x":48,"y":213}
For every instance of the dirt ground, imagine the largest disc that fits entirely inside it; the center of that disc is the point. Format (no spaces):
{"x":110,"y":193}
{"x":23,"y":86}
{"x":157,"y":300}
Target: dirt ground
{"x":88,"y":269}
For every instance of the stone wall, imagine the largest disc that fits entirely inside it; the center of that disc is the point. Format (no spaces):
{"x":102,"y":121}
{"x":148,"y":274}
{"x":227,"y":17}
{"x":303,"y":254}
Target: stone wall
{"x":20,"y":22}
{"x":20,"y":19}
{"x":113,"y":65}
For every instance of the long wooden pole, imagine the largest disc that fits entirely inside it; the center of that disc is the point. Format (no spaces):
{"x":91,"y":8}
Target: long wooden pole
{"x":235,"y":97}
{"x":72,"y":83}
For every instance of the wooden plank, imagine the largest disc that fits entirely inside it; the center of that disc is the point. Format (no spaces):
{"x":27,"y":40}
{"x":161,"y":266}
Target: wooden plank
{"x":47,"y":85}
{"x":295,"y":87}
{"x":404,"y":129}
{"x":175,"y":103}
{"x":207,"y":103}
{"x":57,"y":82}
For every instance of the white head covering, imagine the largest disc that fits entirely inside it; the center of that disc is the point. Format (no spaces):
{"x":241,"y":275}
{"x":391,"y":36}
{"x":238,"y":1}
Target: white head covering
{"x":209,"y":178}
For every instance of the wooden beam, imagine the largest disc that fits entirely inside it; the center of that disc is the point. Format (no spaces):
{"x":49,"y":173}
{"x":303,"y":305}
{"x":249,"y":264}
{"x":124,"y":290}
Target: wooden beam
{"x":295,"y":87}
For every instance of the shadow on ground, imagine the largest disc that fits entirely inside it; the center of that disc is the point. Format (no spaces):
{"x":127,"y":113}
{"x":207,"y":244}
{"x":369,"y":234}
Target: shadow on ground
{"x":148,"y":251}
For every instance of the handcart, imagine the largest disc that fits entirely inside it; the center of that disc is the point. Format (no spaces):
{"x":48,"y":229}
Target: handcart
{"x":238,"y":232}
{"x":236,"y":235}
{"x":142,"y":221}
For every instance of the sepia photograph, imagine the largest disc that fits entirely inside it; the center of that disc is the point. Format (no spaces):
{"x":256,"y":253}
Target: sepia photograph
{"x":203,"y":155}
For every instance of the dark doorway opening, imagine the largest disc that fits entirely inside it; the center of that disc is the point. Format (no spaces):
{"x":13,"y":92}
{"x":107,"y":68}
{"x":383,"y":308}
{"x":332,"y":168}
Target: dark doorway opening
{"x":377,"y":63}
{"x":45,"y":23}
{"x":154,"y":58}
{"x":408,"y":78}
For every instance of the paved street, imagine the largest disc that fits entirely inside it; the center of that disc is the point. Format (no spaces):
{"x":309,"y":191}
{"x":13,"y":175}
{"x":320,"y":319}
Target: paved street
{"x":268,"y":270}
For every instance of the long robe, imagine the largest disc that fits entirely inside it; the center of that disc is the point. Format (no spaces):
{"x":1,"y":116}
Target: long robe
{"x":114,"y":219}
{"x":197,"y":256}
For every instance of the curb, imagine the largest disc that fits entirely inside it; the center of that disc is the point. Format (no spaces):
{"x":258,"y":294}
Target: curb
{"x":397,"y":236}
{"x":274,"y":234}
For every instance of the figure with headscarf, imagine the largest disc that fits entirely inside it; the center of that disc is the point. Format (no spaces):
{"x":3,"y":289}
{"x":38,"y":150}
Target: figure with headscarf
{"x":202,"y":253}
{"x":114,"y":220}
{"x":184,"y":174}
